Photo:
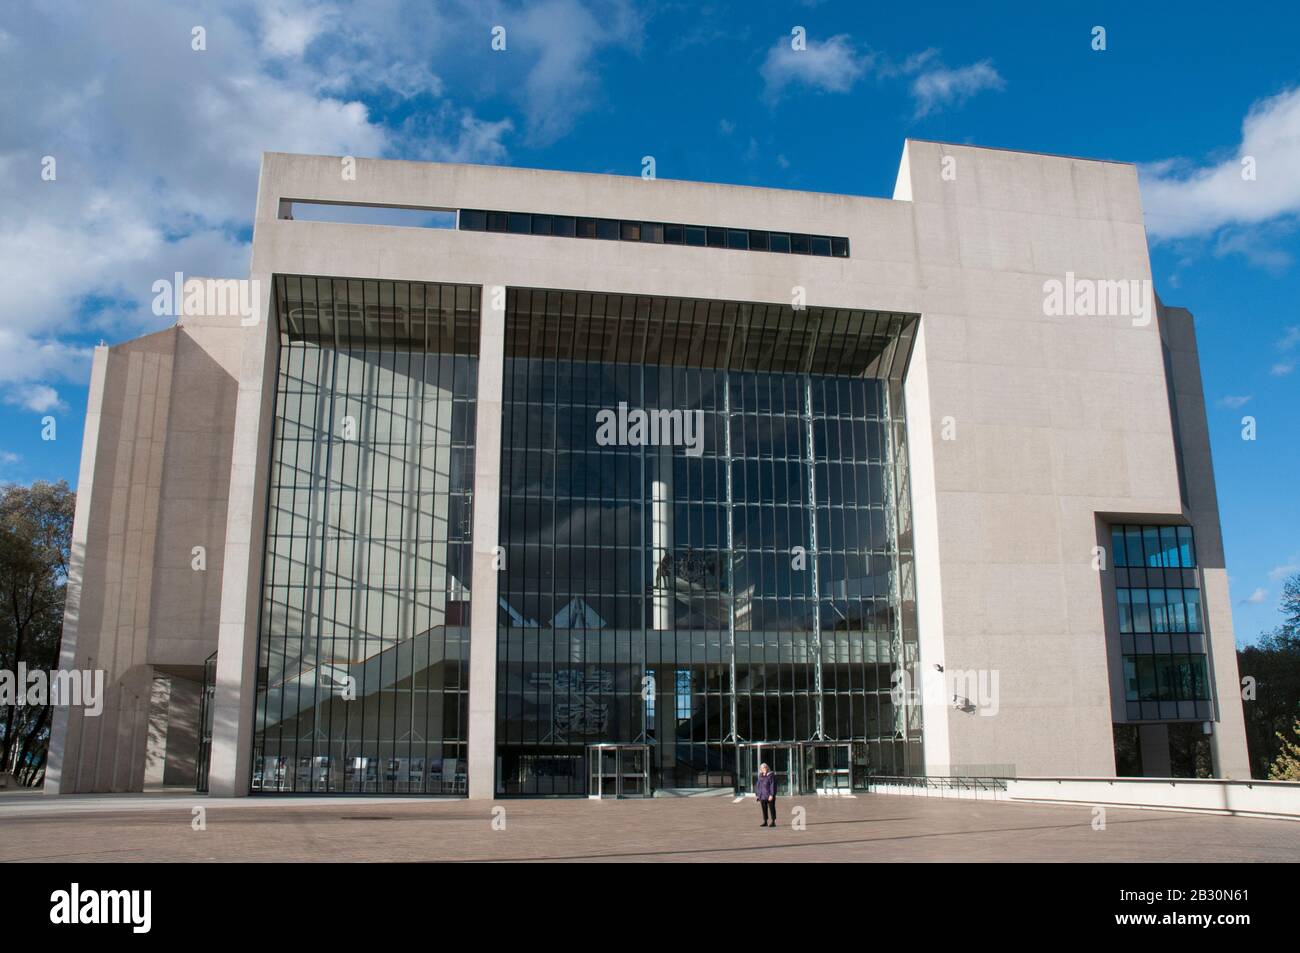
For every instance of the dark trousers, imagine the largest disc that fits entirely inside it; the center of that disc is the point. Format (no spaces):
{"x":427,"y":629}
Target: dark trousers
{"x":769,"y":807}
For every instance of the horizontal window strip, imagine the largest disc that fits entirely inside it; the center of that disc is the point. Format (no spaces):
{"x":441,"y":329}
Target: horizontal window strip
{"x":653,"y":233}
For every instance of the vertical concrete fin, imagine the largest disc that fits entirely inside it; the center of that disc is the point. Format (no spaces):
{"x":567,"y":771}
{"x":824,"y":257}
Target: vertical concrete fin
{"x":57,"y":779}
{"x":483,"y":594}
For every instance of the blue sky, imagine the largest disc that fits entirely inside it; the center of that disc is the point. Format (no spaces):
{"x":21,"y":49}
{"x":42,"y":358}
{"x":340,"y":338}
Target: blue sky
{"x":157,"y":146}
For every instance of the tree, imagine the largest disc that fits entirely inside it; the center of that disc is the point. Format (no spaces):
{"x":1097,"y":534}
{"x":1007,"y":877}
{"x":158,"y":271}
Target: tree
{"x":1291,"y":604}
{"x":1274,"y":664}
{"x":1287,"y":765}
{"x":35,"y":544}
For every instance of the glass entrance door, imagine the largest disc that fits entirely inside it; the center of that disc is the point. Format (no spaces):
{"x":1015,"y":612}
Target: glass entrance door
{"x":827,"y":767}
{"x":633,"y":771}
{"x":618,"y":770}
{"x":780,"y":759}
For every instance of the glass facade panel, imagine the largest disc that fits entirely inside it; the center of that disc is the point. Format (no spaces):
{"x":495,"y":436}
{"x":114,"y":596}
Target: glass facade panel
{"x":363,"y":640}
{"x":1166,"y":678}
{"x":1151,"y":544}
{"x":1187,"y":552}
{"x":707,"y":543}
{"x":1160,"y":622}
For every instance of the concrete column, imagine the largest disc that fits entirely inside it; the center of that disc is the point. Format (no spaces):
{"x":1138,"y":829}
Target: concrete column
{"x":663,"y":597}
{"x":925,"y":536}
{"x":241,"y":581}
{"x":483,"y":589}
{"x":58,"y":779}
{"x":661,"y":538}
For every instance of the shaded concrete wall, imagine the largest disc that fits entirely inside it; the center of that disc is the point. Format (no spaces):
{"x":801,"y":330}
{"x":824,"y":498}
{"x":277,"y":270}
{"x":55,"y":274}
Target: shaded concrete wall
{"x":1229,"y":739}
{"x":181,"y":764}
{"x":173,"y":744}
{"x":153,"y":485}
{"x":185,"y":603}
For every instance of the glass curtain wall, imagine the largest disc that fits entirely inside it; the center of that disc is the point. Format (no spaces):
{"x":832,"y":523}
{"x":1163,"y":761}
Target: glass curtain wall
{"x":1161,"y":623}
{"x":363,"y":648}
{"x":733,"y":567}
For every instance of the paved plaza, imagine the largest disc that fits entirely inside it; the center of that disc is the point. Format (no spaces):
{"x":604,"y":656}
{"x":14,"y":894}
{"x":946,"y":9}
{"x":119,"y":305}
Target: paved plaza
{"x":157,"y":827}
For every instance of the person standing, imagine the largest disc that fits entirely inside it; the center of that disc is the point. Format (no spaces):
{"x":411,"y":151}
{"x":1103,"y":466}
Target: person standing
{"x":765,"y":791}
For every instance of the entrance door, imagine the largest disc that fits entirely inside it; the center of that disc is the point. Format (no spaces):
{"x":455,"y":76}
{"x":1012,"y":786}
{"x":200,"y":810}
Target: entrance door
{"x":780,"y":759}
{"x":618,"y":770}
{"x":827,"y":767}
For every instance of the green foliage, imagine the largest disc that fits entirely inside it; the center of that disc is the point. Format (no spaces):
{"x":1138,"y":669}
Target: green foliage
{"x":1291,"y":605}
{"x":35,"y":544}
{"x":1287,"y":765}
{"x":1274,"y":664}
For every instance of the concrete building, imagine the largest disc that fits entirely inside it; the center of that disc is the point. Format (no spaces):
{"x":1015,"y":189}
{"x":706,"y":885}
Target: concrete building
{"x":584,"y":484}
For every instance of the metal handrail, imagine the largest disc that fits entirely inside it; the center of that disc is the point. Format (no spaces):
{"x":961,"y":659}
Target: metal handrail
{"x":941,"y":782}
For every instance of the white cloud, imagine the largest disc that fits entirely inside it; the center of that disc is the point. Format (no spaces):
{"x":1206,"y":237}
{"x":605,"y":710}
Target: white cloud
{"x":38,"y":398}
{"x":560,"y":39}
{"x":1234,"y":401}
{"x":157,"y":149}
{"x":910,"y":66}
{"x":1289,"y":341}
{"x":27,"y":355}
{"x":1278,"y":573}
{"x":832,"y":66}
{"x":288,"y":28}
{"x":836,"y":65}
{"x":8,"y":458}
{"x":937,"y":88}
{"x":1184,"y":199}
{"x":1253,"y":244}
{"x":158,"y":145}
{"x":1256,"y":598}
{"x":448,"y":135}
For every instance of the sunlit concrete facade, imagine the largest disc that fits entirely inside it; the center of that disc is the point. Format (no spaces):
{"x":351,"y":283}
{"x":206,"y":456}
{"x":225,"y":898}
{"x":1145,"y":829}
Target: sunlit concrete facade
{"x":1027,"y":438}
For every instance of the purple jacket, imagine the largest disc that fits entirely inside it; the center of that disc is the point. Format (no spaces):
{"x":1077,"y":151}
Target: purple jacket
{"x":765,"y":786}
